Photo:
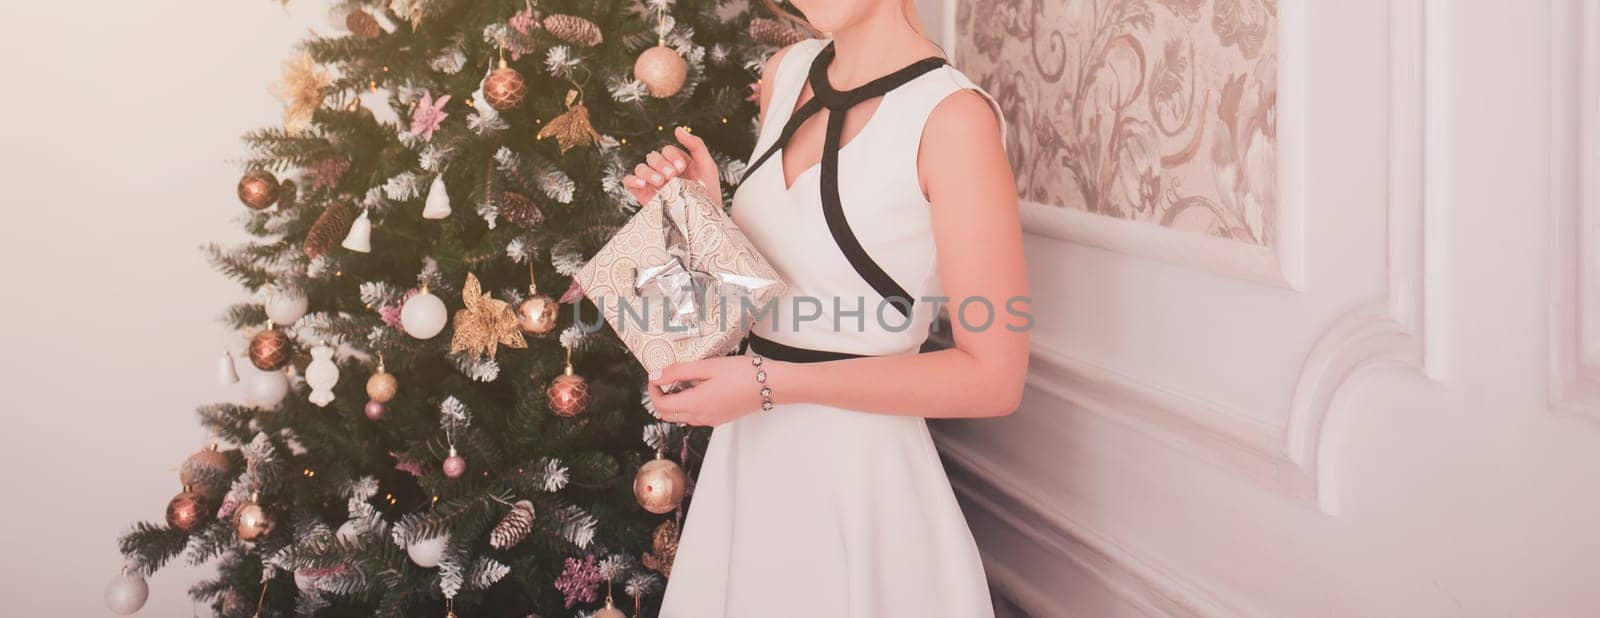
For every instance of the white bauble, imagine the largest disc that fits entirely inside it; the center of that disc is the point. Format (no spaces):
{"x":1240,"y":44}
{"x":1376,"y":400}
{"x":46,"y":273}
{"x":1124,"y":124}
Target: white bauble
{"x":126,"y":594}
{"x":438,"y":204}
{"x":427,"y":553}
{"x":266,"y":389}
{"x":424,"y":315}
{"x":321,"y":375}
{"x":286,"y":307}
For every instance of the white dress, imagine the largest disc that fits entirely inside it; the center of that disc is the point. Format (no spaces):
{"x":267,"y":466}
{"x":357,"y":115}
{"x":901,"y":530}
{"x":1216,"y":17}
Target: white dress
{"x":815,"y":511}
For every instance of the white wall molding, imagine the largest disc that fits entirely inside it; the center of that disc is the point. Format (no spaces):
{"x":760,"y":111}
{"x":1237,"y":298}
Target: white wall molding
{"x":1136,"y":580}
{"x":1574,"y":258}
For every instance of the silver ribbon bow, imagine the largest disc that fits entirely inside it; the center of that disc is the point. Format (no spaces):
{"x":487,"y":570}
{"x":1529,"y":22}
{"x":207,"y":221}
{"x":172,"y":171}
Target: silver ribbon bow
{"x":684,"y":292}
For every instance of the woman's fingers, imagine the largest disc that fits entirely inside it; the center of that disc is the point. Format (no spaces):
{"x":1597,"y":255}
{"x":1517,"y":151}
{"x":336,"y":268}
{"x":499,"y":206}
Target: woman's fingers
{"x":696,"y":146}
{"x":649,"y":174}
{"x":661,"y":165}
{"x":678,"y":158}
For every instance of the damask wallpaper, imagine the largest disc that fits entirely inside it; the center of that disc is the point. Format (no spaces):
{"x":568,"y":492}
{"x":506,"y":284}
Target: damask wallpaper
{"x":1157,"y":111}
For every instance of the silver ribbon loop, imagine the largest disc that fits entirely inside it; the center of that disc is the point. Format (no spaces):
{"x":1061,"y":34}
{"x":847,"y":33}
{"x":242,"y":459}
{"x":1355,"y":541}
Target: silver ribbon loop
{"x":682,"y":291}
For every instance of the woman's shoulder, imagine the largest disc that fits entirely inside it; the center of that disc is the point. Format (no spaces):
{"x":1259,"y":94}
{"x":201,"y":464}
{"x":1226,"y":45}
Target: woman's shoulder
{"x":774,"y":64}
{"x":962,"y":107}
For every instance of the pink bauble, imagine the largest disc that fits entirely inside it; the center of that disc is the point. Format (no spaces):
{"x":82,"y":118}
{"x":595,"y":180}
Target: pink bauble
{"x":375,"y":409}
{"x":454,"y":465}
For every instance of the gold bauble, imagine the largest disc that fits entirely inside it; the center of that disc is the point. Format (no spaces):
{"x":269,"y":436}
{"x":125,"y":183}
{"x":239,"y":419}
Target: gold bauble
{"x":660,"y":484}
{"x":504,"y":88}
{"x":537,"y":314}
{"x":568,"y":394}
{"x":662,"y":70}
{"x":382,"y":386}
{"x":258,"y":189}
{"x":609,"y":611}
{"x":188,"y":510}
{"x":270,"y":350}
{"x":251,"y":521}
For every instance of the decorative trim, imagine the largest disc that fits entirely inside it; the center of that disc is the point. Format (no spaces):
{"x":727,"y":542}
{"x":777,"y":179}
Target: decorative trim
{"x":1135,"y":580}
{"x":1401,"y":326}
{"x":1574,"y":276}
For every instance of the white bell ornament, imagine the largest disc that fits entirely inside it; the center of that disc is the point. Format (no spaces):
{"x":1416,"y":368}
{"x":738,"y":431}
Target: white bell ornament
{"x":424,"y":315}
{"x":286,"y":306}
{"x":359,"y":239}
{"x":438,"y":204}
{"x":321,"y":375}
{"x":227,"y":372}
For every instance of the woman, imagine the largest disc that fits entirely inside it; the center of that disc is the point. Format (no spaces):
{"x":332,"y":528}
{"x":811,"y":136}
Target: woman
{"x":821,"y":494}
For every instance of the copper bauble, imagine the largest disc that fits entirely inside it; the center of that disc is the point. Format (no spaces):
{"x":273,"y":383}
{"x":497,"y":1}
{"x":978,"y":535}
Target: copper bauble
{"x":188,"y":510}
{"x":258,"y":189}
{"x":662,"y":70}
{"x":537,"y":314}
{"x":659,"y":486}
{"x":206,"y":472}
{"x":568,"y":394}
{"x":382,"y":386}
{"x":362,"y":24}
{"x":504,"y":88}
{"x":270,"y":350}
{"x":519,"y":210}
{"x":251,"y":521}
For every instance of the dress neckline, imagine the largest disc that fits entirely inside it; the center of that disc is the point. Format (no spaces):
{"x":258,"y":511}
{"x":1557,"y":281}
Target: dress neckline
{"x":834,"y":99}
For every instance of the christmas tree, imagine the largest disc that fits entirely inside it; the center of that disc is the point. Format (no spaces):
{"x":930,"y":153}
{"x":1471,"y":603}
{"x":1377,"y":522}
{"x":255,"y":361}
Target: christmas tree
{"x":427,"y":428}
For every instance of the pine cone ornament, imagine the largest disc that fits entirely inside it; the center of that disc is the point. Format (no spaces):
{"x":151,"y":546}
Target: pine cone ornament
{"x":331,"y":227}
{"x":519,"y":210}
{"x":665,"y":549}
{"x":773,"y":32}
{"x":514,"y":527}
{"x":362,"y":24}
{"x":573,"y":29}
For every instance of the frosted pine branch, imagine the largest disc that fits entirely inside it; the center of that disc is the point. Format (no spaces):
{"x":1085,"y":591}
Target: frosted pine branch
{"x":555,"y":184}
{"x":576,"y":525}
{"x":642,"y":583}
{"x":403,"y":186}
{"x":486,"y":572}
{"x":376,"y":294}
{"x":453,"y":414}
{"x":483,"y":369}
{"x":560,"y":61}
{"x":553,"y":477}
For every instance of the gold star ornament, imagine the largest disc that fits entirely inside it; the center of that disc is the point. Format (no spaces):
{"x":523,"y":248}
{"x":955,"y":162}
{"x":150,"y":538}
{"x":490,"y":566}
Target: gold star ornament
{"x":484,"y":324}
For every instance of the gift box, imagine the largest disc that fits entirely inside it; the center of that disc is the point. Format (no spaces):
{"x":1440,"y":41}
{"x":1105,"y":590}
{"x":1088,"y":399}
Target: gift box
{"x":680,"y":282}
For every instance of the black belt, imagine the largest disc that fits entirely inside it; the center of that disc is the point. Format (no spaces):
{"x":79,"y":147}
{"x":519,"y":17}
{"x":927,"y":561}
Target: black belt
{"x":788,"y":353}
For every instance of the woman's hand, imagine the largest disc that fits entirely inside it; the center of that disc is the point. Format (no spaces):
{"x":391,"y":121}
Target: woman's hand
{"x":670,"y":162}
{"x":723,"y":389}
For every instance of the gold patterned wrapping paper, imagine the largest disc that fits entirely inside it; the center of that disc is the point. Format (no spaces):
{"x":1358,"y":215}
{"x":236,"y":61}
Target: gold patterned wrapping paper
{"x":638,"y":279}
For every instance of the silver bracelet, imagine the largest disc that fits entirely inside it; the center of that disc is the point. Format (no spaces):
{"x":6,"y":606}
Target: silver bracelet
{"x":761,"y":378}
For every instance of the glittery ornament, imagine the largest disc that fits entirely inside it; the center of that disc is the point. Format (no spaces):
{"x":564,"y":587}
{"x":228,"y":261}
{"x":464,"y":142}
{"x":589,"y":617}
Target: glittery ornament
{"x":382,"y":386}
{"x":662,"y":70}
{"x":664,"y":548}
{"x":455,"y":465}
{"x":579,"y":582}
{"x":206,"y":472}
{"x":428,"y":114}
{"x":375,"y":410}
{"x":504,"y":88}
{"x":573,"y":29}
{"x":188,"y":510}
{"x":251,"y":521}
{"x":484,"y":324}
{"x":330,"y":228}
{"x":519,"y":210}
{"x":514,"y":527}
{"x":571,"y":128}
{"x":775,"y":33}
{"x":301,"y":89}
{"x":258,"y":189}
{"x":270,"y":349}
{"x":568,"y":394}
{"x":659,"y":485}
{"x":362,"y":24}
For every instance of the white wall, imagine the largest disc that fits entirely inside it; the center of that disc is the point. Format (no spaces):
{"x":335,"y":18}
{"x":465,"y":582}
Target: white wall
{"x":120,"y":119}
{"x":1413,"y":432}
